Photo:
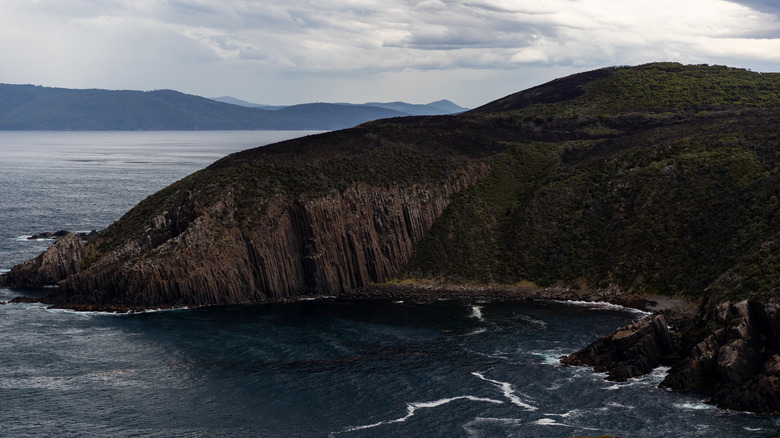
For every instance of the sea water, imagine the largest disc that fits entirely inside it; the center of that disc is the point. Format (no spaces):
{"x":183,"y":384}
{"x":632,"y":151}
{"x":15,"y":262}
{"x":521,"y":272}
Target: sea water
{"x":324,"y":368}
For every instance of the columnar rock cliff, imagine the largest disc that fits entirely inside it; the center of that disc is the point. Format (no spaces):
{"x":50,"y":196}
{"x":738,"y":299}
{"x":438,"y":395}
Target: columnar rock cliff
{"x":62,"y":259}
{"x":300,"y":246}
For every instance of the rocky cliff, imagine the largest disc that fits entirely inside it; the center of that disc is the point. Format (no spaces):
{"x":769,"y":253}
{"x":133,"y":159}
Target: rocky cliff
{"x":298,"y":247}
{"x":62,"y":259}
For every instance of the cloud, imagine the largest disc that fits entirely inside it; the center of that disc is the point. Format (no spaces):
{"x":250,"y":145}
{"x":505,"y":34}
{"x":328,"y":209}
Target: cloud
{"x":201,"y":43}
{"x":768,"y":6}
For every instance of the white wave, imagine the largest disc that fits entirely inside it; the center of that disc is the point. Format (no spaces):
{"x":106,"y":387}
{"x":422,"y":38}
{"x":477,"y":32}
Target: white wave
{"x":603,"y":305}
{"x":550,"y":357}
{"x":654,"y":378}
{"x":476,"y":312}
{"x":169,"y":309}
{"x":549,"y":422}
{"x":411,"y":408}
{"x":3,"y":271}
{"x":398,"y":302}
{"x":694,"y":406}
{"x":478,"y":331}
{"x":509,"y":392}
{"x":536,"y":322}
{"x":570,"y":414}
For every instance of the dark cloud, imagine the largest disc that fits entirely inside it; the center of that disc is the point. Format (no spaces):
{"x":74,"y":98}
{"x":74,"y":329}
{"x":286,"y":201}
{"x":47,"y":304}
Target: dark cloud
{"x":767,"y":6}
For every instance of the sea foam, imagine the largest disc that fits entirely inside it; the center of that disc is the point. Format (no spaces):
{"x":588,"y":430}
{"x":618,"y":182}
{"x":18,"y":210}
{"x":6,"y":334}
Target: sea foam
{"x":476,"y":312}
{"x":603,"y":305}
{"x":509,"y":392}
{"x":411,"y":408}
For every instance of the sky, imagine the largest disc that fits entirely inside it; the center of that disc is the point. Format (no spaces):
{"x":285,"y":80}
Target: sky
{"x":283,"y":52}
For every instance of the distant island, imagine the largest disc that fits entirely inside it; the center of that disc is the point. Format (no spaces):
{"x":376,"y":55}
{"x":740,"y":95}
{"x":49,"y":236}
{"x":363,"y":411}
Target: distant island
{"x":32,"y":108}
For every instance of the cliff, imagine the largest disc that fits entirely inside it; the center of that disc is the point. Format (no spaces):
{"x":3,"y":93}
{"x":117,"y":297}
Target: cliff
{"x":299,"y":247}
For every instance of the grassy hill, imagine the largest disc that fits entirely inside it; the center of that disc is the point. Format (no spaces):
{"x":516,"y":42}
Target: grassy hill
{"x":660,"y":178}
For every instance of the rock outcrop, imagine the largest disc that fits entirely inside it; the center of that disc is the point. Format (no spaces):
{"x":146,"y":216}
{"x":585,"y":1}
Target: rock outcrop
{"x":631,"y":351}
{"x":731,"y":349}
{"x":298,"y":247}
{"x":62,"y":259}
{"x":735,"y":353}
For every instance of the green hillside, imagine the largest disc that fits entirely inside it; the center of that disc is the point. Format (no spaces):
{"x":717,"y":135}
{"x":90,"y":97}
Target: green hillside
{"x":661,"y":178}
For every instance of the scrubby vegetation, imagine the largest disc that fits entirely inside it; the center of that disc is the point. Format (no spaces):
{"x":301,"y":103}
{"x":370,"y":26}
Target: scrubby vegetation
{"x":660,"y":178}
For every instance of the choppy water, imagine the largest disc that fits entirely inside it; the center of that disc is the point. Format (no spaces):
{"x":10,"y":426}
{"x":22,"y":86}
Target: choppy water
{"x":310,"y":369}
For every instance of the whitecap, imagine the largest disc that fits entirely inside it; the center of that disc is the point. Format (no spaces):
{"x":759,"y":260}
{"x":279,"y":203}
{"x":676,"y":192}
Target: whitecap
{"x":508,"y":391}
{"x":694,"y":406}
{"x":654,"y":378}
{"x":536,"y":322}
{"x":550,"y":357}
{"x":411,"y":408}
{"x":478,"y":331}
{"x":549,"y":422}
{"x":603,"y":305}
{"x":476,"y":312}
{"x":574,"y":413}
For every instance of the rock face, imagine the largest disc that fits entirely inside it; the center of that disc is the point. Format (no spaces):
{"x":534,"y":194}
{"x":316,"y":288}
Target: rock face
{"x":732,"y":350}
{"x":632,"y":351}
{"x":738,"y":358}
{"x":62,"y":259}
{"x":321,"y":246}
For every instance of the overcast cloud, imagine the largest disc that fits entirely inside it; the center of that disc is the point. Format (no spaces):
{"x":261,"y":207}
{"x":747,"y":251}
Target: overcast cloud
{"x":292,"y":51}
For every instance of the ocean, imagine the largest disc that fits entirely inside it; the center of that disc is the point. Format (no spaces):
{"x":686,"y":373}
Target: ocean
{"x":318,"y":368}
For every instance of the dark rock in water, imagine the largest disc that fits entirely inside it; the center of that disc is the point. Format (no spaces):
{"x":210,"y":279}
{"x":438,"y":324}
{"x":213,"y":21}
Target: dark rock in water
{"x":62,"y":233}
{"x":632,"y":351}
{"x":45,"y":235}
{"x":738,"y":359}
{"x":732,"y":350}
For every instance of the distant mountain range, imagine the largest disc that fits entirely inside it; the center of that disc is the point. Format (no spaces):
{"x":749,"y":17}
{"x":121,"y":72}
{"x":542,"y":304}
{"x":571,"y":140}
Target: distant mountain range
{"x":30,"y":107}
{"x":438,"y":108}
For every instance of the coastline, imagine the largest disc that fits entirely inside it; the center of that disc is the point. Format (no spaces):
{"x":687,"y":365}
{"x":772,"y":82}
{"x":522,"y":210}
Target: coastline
{"x":677,"y":310}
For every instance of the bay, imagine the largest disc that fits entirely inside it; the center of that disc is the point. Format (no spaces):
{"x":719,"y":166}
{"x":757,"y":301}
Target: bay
{"x":325,"y":368}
